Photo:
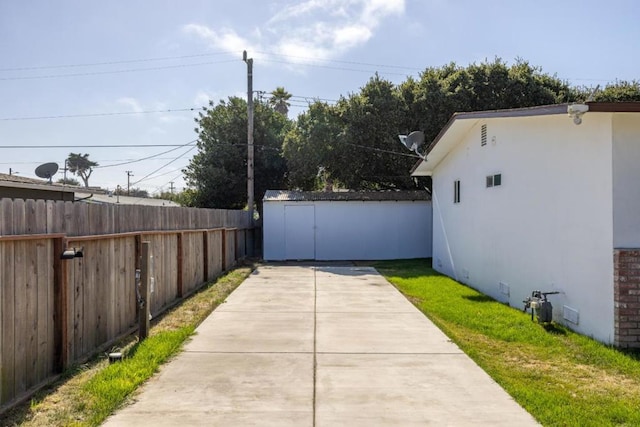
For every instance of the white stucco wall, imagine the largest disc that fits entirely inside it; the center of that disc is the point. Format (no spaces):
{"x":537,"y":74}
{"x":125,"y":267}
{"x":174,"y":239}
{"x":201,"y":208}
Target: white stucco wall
{"x":547,"y":227}
{"x":356,"y":230}
{"x":626,"y":180}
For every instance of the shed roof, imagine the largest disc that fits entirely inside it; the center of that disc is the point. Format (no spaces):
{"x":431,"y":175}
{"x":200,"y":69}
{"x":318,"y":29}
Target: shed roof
{"x":344,"y":196}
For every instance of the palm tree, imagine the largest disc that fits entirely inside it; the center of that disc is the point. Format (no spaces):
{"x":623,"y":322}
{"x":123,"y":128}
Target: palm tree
{"x":80,"y":165}
{"x":279,"y":100}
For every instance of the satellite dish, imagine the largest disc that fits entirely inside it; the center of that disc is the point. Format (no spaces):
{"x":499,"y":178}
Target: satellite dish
{"x":413,"y":141}
{"x":47,"y":170}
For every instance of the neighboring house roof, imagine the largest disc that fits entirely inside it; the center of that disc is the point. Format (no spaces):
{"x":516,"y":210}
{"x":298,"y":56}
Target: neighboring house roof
{"x":461,"y":123}
{"x":16,"y":186}
{"x":343,"y":196}
{"x":123,"y":200}
{"x":22,"y":179}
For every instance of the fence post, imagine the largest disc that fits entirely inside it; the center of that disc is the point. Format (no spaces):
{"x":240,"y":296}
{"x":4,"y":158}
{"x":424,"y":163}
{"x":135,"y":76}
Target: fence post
{"x":205,"y":255}
{"x":180,"y":283}
{"x":145,"y":303}
{"x":224,"y":249}
{"x":61,"y":307}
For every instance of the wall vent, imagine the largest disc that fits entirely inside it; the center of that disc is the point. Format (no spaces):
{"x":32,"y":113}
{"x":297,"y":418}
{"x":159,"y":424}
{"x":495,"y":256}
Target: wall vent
{"x":504,"y":289}
{"x":483,"y":135}
{"x":570,"y":314}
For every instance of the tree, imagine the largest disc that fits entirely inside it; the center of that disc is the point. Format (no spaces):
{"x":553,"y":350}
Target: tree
{"x":280,"y":100}
{"x":218,"y":172}
{"x":362,"y":151}
{"x":353,"y":144}
{"x":308,"y":145}
{"x":616,"y":92}
{"x":68,"y":181}
{"x":80,"y":165}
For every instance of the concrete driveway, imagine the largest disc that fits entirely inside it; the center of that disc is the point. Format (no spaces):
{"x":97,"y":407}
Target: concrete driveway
{"x":320,"y":346}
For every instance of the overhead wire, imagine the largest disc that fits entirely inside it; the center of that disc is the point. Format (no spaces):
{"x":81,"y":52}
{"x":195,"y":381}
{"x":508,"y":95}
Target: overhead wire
{"x":165,"y":165}
{"x":129,"y":61}
{"x":117,"y":113}
{"x":147,"y":158}
{"x":131,"y":70}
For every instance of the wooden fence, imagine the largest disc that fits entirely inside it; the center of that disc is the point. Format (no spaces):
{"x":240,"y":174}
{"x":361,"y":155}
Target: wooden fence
{"x":83,"y":219}
{"x":56,"y":312}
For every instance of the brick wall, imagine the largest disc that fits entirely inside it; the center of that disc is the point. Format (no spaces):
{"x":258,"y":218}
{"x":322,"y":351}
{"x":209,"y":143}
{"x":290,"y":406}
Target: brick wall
{"x":626,"y":282}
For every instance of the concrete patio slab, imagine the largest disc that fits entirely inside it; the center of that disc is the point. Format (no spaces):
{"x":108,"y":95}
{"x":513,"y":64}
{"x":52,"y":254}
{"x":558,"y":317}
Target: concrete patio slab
{"x":227,"y":389}
{"x":322,"y":345}
{"x":403,"y":389}
{"x":239,"y":331}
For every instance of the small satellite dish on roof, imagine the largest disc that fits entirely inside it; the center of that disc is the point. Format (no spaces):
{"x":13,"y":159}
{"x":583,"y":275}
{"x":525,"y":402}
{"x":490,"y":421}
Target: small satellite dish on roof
{"x":47,"y":170}
{"x":413,"y":141}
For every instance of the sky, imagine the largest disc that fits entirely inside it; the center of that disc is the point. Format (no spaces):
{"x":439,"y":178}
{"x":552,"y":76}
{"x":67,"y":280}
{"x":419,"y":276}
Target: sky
{"x":123,"y":80}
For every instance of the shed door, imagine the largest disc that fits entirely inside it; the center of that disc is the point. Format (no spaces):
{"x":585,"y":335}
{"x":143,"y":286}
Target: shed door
{"x":299,"y":232}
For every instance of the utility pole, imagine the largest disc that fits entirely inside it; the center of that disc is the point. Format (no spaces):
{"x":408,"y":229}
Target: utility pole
{"x":171,"y":188}
{"x":129,"y":175}
{"x":249,"y":62}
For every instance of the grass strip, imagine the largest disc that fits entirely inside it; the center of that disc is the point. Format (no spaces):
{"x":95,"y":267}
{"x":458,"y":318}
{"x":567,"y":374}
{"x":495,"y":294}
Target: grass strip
{"x":560,"y":377}
{"x":89,"y":393}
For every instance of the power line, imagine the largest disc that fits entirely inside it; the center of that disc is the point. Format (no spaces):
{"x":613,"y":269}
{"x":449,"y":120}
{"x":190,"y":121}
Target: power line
{"x":129,"y":61}
{"x":164,"y":166}
{"x":117,"y":113}
{"x":92,"y":146}
{"x":131,"y":70}
{"x":400,"y":67}
{"x":337,"y":68}
{"x":146,"y":158}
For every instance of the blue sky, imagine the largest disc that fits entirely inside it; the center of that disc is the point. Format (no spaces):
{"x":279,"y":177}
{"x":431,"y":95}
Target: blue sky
{"x":78,"y":58}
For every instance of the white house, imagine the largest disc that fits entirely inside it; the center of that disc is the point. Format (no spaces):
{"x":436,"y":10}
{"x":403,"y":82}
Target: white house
{"x":539,"y":199}
{"x":346,"y":225}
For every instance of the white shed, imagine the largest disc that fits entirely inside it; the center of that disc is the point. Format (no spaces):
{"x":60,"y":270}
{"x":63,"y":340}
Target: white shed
{"x":345,"y":225}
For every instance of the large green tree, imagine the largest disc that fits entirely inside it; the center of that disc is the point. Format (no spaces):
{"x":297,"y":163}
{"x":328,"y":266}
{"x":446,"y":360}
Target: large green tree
{"x":361,"y":149}
{"x":80,"y":165}
{"x":218,"y":172}
{"x":309,"y":145}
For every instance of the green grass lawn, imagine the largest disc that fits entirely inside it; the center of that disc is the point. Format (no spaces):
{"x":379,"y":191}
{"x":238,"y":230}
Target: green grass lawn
{"x":560,"y":377}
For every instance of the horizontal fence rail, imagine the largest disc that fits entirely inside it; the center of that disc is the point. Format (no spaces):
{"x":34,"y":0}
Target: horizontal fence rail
{"x":56,"y":312}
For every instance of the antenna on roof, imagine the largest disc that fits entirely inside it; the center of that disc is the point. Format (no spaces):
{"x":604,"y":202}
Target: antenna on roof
{"x":592,"y":94}
{"x":413,"y":142}
{"x":47,"y":170}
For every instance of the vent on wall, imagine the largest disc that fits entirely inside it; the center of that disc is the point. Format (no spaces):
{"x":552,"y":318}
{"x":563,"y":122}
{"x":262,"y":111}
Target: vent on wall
{"x":504,"y":289}
{"x":483,"y":135}
{"x":570,"y":314}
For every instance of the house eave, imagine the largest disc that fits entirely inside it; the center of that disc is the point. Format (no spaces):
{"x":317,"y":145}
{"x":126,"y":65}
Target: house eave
{"x":460,"y":123}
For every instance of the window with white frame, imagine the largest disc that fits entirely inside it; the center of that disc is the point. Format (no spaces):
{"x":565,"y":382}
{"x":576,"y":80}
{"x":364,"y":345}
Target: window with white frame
{"x":494,"y":180}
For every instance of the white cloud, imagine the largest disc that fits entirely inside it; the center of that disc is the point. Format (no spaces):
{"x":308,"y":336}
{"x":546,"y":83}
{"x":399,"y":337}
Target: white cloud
{"x":226,"y":38}
{"x":202,"y":98}
{"x":132,"y":103}
{"x":317,"y":29}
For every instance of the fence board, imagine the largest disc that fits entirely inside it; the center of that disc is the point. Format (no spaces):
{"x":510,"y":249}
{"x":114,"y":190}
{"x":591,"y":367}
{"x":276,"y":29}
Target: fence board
{"x":20,"y":328}
{"x":42,"y":283}
{"x":198,"y":261}
{"x":8,"y":321}
{"x":78,"y":320}
{"x":215,"y":253}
